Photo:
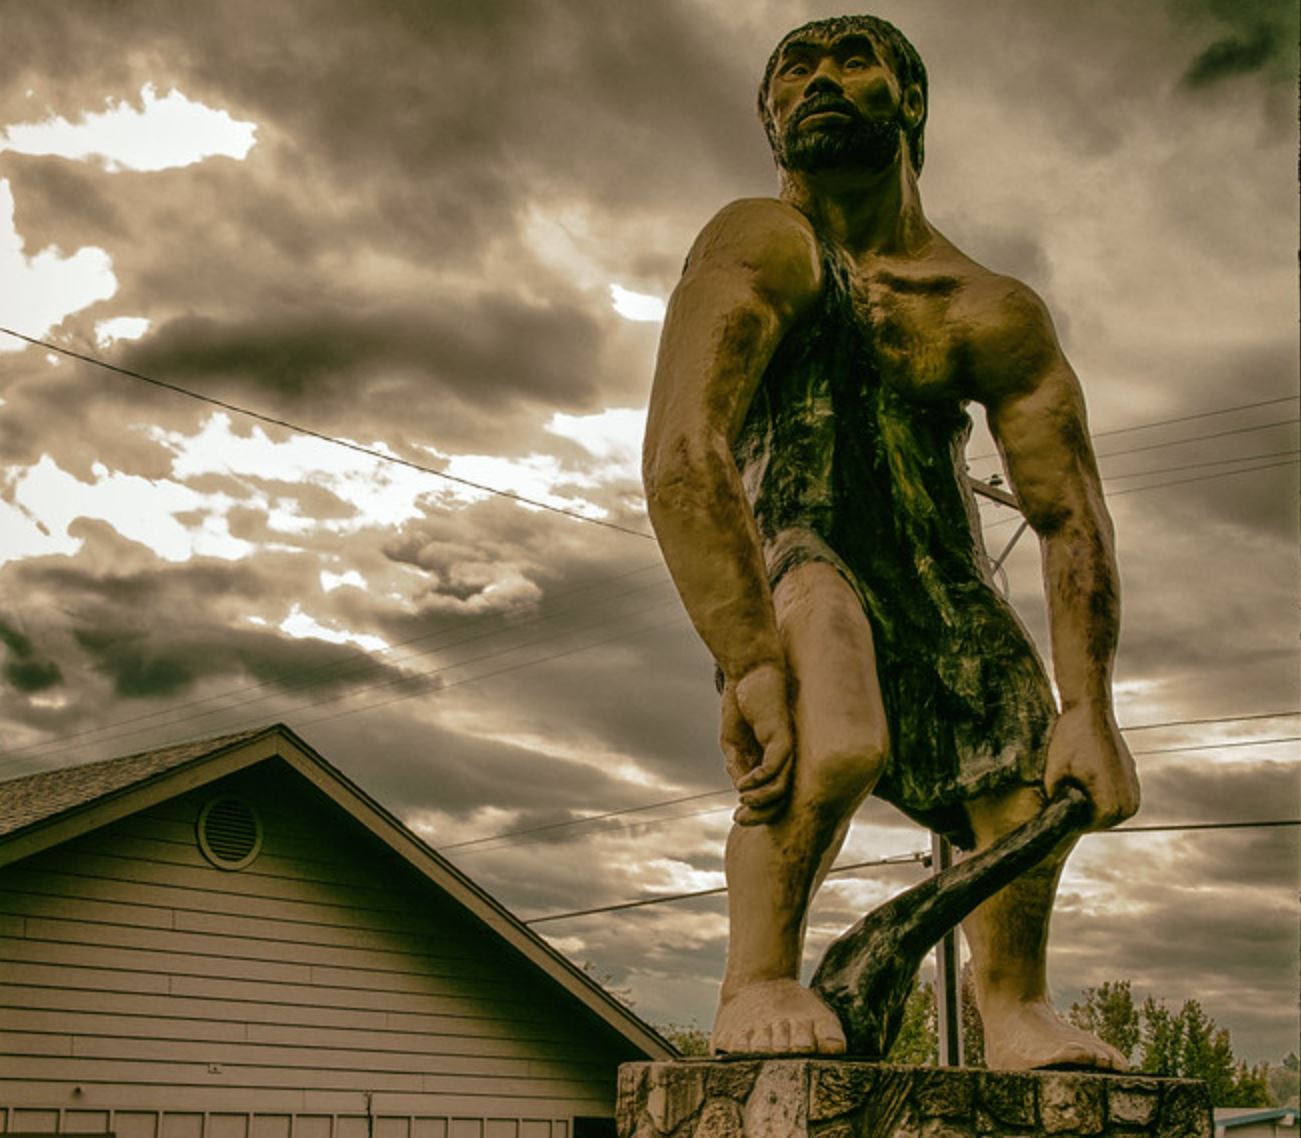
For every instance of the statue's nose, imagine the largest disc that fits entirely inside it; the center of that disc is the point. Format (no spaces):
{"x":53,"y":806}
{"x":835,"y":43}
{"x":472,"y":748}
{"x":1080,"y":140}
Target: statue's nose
{"x":823,"y":82}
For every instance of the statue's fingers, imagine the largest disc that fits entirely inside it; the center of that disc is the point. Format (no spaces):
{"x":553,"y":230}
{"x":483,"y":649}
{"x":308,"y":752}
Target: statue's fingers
{"x":746,"y":815}
{"x":776,"y":758}
{"x":777,"y":772}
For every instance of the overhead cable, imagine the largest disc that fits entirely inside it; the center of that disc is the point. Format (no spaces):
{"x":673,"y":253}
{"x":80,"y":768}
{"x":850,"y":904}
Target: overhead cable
{"x":901,"y":859}
{"x":347,"y":444}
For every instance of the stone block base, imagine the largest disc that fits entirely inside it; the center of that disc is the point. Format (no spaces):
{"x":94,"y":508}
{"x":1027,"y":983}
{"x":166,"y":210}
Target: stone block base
{"x":843,"y":1098}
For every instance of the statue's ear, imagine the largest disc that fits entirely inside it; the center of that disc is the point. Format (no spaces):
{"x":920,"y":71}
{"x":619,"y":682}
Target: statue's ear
{"x":914,"y":104}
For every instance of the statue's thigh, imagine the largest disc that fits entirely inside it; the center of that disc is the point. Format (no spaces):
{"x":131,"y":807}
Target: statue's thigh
{"x":840,"y":723}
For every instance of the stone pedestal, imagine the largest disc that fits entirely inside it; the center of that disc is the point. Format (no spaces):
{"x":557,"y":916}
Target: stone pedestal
{"x":835,"y":1098}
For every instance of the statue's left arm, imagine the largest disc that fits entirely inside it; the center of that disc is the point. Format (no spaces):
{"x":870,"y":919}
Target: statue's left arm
{"x":1036,"y":414}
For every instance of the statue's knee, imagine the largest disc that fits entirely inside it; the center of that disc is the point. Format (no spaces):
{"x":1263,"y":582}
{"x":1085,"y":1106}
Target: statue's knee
{"x":849,"y":771}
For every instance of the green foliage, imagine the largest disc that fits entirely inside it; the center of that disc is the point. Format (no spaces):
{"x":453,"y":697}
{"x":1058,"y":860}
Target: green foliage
{"x":687,"y":1038}
{"x":915,"y":1044}
{"x":606,"y":981}
{"x":1186,"y":1043}
{"x":918,"y":1041}
{"x":1189,"y":1044}
{"x":1285,"y":1081}
{"x":973,"y":1027}
{"x":1108,"y":1012}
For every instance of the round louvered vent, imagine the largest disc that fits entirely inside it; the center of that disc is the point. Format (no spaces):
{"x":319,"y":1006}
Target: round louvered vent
{"x":230,"y":833}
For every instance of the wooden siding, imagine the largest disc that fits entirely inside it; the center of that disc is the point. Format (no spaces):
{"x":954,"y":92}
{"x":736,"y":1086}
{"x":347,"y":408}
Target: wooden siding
{"x":144,"y":991}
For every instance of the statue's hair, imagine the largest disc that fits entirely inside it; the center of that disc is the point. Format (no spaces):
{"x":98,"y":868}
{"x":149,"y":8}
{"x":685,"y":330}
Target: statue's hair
{"x":908,"y":68}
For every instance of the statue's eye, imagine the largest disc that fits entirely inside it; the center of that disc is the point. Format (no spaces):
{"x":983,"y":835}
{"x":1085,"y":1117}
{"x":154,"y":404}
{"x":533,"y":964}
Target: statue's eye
{"x":855,"y":63}
{"x":795,"y":69}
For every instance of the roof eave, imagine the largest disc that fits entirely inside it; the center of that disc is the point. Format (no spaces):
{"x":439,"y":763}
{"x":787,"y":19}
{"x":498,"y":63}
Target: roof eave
{"x":278,"y":741}
{"x":119,"y":803}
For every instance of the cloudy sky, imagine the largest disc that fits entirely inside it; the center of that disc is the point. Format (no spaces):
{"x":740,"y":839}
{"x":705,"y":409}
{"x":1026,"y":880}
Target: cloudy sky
{"x":444,"y":232}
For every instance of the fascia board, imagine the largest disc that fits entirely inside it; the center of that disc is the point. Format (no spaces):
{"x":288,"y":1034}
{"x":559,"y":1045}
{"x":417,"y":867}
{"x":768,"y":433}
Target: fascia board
{"x":111,"y":807}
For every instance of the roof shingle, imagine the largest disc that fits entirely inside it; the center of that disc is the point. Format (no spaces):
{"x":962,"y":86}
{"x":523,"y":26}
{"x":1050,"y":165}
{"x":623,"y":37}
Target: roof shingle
{"x":34,"y":798}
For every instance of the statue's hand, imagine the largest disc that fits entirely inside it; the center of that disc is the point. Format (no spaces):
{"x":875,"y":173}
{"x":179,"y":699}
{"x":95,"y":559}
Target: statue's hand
{"x":1086,"y":747}
{"x":758,"y":743}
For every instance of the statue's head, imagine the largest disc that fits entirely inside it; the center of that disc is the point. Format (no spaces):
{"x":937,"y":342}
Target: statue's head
{"x":861,"y":45}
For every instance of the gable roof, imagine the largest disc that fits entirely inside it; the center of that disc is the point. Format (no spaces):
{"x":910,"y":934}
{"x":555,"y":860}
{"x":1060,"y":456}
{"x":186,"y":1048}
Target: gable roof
{"x":1228,"y":1118}
{"x":39,"y":811}
{"x":33,"y":798}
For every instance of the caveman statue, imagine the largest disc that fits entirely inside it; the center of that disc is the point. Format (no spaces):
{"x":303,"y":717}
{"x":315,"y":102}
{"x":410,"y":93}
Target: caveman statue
{"x":804,"y":474}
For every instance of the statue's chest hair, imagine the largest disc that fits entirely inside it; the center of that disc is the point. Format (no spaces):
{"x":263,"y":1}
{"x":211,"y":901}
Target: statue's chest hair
{"x":914,"y":336}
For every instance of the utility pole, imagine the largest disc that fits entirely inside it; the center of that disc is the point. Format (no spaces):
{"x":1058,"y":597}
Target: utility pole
{"x":948,"y":974}
{"x":948,"y":984}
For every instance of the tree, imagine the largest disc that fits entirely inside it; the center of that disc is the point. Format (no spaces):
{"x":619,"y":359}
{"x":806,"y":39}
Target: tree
{"x":1185,"y":1044}
{"x":1108,"y":1012}
{"x":687,"y":1038}
{"x":1190,"y":1045}
{"x":916,"y":1042}
{"x":973,"y":1027}
{"x":1285,"y":1081}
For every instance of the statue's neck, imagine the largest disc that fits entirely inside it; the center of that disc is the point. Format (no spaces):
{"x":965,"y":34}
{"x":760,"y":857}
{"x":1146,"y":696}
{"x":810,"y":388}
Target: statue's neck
{"x":864,"y":212}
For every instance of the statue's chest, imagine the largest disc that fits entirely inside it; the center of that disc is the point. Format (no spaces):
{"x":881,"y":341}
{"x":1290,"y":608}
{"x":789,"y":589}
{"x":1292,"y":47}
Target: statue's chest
{"x":913,"y":336}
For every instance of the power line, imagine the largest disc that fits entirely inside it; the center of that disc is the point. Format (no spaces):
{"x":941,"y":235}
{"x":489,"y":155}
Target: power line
{"x":622,"y":830}
{"x":1172,"y":482}
{"x":1196,"y":415}
{"x":362,"y":661}
{"x":1270,"y":823}
{"x":1202,"y":438}
{"x":387,"y":457}
{"x":1203,"y":465}
{"x":1219,"y":746}
{"x":1213,"y":719}
{"x":507,"y":844}
{"x":370,"y":452}
{"x":501,"y":671}
{"x":583,"y":821}
{"x":900,"y":859}
{"x":1170,"y":421}
{"x":421,"y":678}
{"x":1181,"y":442}
{"x":383,"y":456}
{"x":1203,"y":478}
{"x":504,"y":837}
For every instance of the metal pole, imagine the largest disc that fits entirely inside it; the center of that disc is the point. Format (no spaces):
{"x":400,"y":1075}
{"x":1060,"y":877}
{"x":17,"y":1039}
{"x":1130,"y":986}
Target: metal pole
{"x":948,"y":982}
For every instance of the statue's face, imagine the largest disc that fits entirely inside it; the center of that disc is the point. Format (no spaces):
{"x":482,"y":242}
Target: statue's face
{"x":836,"y":102}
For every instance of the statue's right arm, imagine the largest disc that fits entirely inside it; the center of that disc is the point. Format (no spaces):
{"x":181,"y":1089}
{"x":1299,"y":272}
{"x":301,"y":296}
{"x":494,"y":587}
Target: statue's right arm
{"x":752,"y":272}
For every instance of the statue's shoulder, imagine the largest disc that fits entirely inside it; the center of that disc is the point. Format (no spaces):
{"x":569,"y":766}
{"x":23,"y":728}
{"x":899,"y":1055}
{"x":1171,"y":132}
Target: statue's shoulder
{"x":991,"y":302}
{"x":1010,"y":334}
{"x":768,"y":241}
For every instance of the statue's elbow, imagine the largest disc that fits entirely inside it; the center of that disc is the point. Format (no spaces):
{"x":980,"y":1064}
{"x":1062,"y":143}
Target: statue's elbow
{"x":676,"y":472}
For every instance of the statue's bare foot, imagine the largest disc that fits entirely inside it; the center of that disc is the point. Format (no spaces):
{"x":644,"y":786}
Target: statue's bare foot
{"x":777,"y":1017}
{"x":1022,"y":1036}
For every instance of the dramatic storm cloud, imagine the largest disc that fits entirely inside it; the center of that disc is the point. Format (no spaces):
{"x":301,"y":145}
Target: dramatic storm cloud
{"x":444,"y":233}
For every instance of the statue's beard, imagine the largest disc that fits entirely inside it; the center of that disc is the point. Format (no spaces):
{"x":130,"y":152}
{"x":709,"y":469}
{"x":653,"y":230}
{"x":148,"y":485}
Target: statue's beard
{"x":865,"y":144}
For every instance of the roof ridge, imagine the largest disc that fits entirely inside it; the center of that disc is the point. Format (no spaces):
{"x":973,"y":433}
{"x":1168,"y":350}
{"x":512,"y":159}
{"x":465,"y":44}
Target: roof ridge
{"x":37,"y":797}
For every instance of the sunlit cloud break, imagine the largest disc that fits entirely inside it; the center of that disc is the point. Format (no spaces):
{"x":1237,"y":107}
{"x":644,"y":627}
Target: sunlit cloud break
{"x":116,"y":328}
{"x":161,"y":134}
{"x":40,"y":290}
{"x":636,"y":305}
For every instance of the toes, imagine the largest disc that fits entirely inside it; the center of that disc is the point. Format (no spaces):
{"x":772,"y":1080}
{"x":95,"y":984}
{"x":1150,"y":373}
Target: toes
{"x":803,"y":1040}
{"x":781,"y":1036}
{"x":830,"y":1040}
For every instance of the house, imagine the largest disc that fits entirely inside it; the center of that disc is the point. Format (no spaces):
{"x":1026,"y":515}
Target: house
{"x":229,"y":939}
{"x":1256,"y":1122}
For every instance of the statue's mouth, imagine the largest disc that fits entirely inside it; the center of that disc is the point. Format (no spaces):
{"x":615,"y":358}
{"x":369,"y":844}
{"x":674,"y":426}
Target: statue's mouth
{"x":825,"y":107}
